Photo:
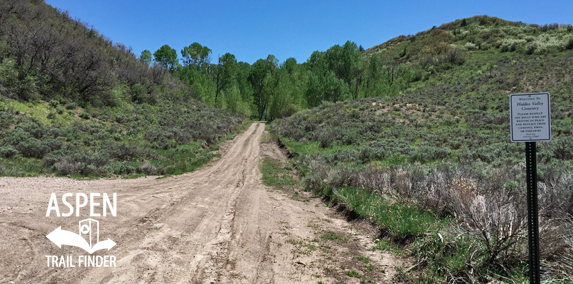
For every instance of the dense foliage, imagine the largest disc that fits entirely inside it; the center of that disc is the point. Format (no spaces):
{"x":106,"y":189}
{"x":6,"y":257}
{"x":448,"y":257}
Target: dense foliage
{"x":73,"y":103}
{"x":45,"y":54}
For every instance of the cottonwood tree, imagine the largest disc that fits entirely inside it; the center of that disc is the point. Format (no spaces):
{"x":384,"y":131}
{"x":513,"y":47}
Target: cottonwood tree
{"x":226,"y":73}
{"x":347,"y":64}
{"x":145,"y":57}
{"x":263,"y":83}
{"x":289,"y":94}
{"x":196,"y":54}
{"x":166,"y":57}
{"x":324,"y":84}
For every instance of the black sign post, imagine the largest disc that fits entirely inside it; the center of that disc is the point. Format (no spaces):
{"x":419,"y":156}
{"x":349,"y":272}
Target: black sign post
{"x":530,"y":121}
{"x":532,"y":215}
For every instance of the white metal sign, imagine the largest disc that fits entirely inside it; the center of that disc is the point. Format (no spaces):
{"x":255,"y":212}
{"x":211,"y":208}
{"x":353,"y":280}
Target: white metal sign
{"x":530,"y":117}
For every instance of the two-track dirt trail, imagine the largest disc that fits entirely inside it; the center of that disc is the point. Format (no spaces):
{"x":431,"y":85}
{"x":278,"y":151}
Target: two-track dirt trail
{"x":219,"y":224}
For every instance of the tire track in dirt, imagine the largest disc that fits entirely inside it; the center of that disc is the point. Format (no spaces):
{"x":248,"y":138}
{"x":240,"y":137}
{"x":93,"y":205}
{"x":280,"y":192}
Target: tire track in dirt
{"x":218,"y":224}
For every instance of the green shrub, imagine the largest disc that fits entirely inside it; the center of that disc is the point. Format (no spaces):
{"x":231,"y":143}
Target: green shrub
{"x":67,"y":166}
{"x":325,"y":139}
{"x":13,"y":137}
{"x":560,"y":148}
{"x":84,"y":115}
{"x":429,"y":153}
{"x":8,"y":76}
{"x":368,"y":154}
{"x":139,"y":94}
{"x":53,"y":158}
{"x":148,"y":169}
{"x":121,"y":118}
{"x":123,"y":152}
{"x":8,"y":151}
{"x":71,"y":106}
{"x":121,"y":168}
{"x":32,"y":148}
{"x":54,"y":103}
{"x":569,"y":44}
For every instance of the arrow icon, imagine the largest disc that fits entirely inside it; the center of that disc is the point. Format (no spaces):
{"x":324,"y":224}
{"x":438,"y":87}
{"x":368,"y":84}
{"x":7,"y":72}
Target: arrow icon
{"x":62,"y":237}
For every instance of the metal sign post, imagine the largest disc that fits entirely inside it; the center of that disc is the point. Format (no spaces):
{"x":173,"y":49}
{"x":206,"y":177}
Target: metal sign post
{"x":530,"y":120}
{"x":532,"y":212}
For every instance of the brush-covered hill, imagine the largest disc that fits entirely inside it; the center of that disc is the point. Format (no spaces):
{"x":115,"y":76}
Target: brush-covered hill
{"x":479,"y":33}
{"x":459,"y":103}
{"x":440,"y":144}
{"x":74,"y":103}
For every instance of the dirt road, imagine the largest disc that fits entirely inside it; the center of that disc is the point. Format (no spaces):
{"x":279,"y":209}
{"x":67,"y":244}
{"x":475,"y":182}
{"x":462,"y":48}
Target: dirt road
{"x":219,"y":224}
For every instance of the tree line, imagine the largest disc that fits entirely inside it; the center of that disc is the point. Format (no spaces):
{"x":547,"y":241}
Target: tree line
{"x":268,"y":89}
{"x":47,"y":55}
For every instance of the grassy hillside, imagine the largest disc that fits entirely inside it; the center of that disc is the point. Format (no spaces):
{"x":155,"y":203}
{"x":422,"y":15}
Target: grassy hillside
{"x":434,"y":165}
{"x":477,"y":44}
{"x":479,"y":33}
{"x":73,"y":103}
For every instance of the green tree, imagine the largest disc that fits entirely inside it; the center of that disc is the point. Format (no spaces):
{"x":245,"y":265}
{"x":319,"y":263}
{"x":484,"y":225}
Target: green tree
{"x":198,"y":73}
{"x":145,"y":57}
{"x":233,"y":99}
{"x":288,"y":94}
{"x":326,"y":79}
{"x":166,"y":57}
{"x":290,"y":66}
{"x":263,"y":83}
{"x":245,"y":87}
{"x":226,"y":72}
{"x":374,"y":76}
{"x":347,"y":64}
{"x":196,"y":54}
{"x":284,"y":99}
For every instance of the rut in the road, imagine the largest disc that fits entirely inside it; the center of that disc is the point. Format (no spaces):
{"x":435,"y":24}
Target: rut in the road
{"x":219,"y":224}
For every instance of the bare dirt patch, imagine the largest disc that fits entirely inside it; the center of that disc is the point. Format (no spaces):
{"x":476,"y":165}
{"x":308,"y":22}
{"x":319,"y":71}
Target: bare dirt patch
{"x":319,"y":245}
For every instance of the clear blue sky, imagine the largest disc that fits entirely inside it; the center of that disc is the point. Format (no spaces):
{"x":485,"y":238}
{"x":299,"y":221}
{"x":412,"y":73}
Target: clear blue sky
{"x":289,"y":28}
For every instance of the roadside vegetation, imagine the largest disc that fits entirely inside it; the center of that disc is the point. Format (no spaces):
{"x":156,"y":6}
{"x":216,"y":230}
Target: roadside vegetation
{"x":432,"y":165}
{"x":335,"y":253}
{"x":73,"y":103}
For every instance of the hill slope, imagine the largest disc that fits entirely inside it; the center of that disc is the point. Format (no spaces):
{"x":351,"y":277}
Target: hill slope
{"x":474,"y":46}
{"x":74,"y":103}
{"x":441,"y":145}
